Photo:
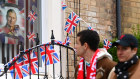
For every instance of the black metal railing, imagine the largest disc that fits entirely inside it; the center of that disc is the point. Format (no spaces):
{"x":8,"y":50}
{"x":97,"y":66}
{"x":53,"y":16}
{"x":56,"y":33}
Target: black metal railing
{"x":53,"y":43}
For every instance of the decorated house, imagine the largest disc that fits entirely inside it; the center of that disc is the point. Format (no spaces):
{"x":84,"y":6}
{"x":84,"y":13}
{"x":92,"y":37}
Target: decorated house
{"x":37,"y":37}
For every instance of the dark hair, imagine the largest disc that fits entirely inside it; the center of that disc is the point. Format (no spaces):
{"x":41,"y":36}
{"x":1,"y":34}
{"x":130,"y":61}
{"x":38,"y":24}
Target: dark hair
{"x":90,"y":37}
{"x":10,"y":10}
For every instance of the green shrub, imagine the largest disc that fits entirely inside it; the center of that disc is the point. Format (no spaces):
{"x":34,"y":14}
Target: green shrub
{"x":136,"y":32}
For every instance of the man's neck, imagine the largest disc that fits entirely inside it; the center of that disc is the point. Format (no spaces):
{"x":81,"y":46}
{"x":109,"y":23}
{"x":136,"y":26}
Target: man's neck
{"x":88,"y":55}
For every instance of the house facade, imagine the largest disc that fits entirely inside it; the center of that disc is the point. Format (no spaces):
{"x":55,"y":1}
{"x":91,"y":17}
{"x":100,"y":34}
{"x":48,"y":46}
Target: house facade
{"x":99,"y":14}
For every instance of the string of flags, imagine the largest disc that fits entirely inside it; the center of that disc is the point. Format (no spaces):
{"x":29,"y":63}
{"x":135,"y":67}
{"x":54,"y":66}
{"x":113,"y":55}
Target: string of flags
{"x":20,"y":68}
{"x":72,"y":22}
{"x":32,"y":16}
{"x":31,"y":36}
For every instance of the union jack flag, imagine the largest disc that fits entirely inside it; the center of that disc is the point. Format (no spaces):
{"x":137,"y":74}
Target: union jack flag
{"x":58,"y":42}
{"x":67,"y":41}
{"x":107,"y":44}
{"x":30,"y":62}
{"x":71,"y":23}
{"x":51,"y":55}
{"x":90,"y":28}
{"x":32,"y":16}
{"x":17,"y":73}
{"x":64,"y":6}
{"x":31,"y":36}
{"x":21,"y":66}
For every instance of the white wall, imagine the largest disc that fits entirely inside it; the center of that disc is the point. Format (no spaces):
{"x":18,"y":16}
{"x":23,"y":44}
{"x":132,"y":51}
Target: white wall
{"x":52,"y":20}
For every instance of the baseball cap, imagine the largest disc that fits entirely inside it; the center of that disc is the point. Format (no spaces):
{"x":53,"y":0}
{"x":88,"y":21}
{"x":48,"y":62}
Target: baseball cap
{"x":126,"y":40}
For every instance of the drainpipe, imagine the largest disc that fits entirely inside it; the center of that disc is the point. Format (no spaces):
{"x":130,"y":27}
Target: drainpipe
{"x":118,"y":17}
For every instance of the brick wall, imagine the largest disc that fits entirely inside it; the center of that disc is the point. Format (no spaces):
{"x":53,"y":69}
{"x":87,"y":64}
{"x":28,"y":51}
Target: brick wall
{"x":100,"y":14}
{"x":130,"y":14}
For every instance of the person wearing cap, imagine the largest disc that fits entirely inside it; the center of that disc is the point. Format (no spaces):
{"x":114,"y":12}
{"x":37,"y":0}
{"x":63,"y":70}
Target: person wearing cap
{"x":94,"y":63}
{"x":128,"y":66}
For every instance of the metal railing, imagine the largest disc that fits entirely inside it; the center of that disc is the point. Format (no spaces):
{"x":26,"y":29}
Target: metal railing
{"x":53,"y":43}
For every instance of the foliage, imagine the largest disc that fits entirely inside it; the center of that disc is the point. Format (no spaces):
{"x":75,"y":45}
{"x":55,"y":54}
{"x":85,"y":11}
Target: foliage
{"x":136,"y":32}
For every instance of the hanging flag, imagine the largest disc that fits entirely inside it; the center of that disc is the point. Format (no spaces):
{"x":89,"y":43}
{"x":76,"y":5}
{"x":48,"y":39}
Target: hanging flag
{"x":33,"y":2}
{"x":51,"y":55}
{"x":30,"y":62}
{"x":32,"y":16}
{"x":22,"y":66}
{"x":90,"y":28}
{"x":71,"y":23}
{"x":16,"y":69}
{"x":64,"y":6}
{"x":31,"y":36}
{"x":107,"y":44}
{"x":67,"y":41}
{"x":58,"y":42}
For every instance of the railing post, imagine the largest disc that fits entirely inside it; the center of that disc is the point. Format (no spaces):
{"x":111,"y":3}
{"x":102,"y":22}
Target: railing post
{"x":37,"y":43}
{"x":52,"y":42}
{"x":61,"y":77}
{"x":5,"y":68}
{"x":67,"y":61}
{"x":21,"y":49}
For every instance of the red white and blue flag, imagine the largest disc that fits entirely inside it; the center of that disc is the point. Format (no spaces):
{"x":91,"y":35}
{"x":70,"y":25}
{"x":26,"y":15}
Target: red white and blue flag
{"x":51,"y":55}
{"x":30,"y":62}
{"x":31,"y":36}
{"x":71,"y":23}
{"x":67,"y":41}
{"x":90,"y":28}
{"x":22,"y":66}
{"x":32,"y":16}
{"x":16,"y":69}
{"x":64,"y":6}
{"x":107,"y":44}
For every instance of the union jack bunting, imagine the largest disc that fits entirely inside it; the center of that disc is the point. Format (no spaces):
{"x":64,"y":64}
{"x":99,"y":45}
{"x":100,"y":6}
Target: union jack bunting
{"x":71,"y":23}
{"x":32,"y":16}
{"x":64,"y":6}
{"x":21,"y":66}
{"x":30,"y":62}
{"x":17,"y":73}
{"x":67,"y":41}
{"x":58,"y":42}
{"x":51,"y":55}
{"x":31,"y":36}
{"x":90,"y":28}
{"x":107,"y":44}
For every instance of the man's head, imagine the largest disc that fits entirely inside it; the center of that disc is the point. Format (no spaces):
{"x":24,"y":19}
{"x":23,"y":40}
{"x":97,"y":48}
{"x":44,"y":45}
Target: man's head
{"x":126,"y":47}
{"x":87,"y":39}
{"x":11,"y":17}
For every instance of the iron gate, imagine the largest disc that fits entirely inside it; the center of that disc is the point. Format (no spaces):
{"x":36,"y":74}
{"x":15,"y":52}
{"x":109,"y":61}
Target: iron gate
{"x":53,"y":43}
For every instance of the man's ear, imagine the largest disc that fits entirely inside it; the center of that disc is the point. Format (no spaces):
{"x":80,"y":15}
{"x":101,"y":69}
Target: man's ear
{"x":134,"y":51}
{"x":85,"y":45}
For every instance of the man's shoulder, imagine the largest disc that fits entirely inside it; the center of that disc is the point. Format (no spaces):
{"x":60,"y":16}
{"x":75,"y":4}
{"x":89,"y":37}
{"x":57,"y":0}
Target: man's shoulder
{"x":105,"y":61}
